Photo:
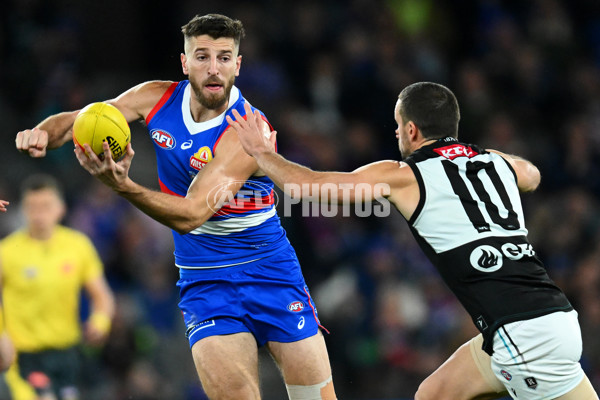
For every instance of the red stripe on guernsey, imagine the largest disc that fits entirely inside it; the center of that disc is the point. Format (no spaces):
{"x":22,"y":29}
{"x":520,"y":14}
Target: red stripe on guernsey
{"x":214,"y":149}
{"x":161,"y":102}
{"x":165,"y":189}
{"x":240,"y":205}
{"x":314,"y":311}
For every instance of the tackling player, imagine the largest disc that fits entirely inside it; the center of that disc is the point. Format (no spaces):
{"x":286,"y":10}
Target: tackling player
{"x":463,"y":206}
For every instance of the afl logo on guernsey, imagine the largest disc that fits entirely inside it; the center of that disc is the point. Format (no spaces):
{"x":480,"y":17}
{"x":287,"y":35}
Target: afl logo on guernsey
{"x":202,"y":157}
{"x":295,"y":306}
{"x":163,"y":139}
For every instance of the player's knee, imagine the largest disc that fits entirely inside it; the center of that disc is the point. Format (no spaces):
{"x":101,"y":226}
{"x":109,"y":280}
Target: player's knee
{"x":320,"y":391}
{"x":232,"y":391}
{"x":428,"y":390}
{"x":230,"y":387}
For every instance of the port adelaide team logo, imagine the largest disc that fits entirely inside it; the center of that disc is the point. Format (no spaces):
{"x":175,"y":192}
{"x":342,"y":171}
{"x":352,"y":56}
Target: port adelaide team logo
{"x":163,"y":139}
{"x":486,"y":258}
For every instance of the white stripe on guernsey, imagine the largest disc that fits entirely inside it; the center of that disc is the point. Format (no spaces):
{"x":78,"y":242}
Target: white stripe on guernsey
{"x":216,"y":266}
{"x":197,"y":127}
{"x":233,"y":225}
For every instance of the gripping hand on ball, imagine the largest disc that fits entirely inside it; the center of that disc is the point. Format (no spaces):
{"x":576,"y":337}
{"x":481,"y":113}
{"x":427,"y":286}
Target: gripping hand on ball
{"x":111,"y":173}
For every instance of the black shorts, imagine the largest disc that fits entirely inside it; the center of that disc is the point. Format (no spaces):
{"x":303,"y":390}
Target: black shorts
{"x":61,"y":366}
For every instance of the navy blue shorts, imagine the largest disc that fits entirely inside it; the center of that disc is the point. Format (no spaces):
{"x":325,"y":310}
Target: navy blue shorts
{"x":267,"y":298}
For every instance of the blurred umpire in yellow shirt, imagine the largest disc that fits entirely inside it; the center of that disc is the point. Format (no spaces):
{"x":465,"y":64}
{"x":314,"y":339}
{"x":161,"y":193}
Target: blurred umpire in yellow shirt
{"x":43,"y":267}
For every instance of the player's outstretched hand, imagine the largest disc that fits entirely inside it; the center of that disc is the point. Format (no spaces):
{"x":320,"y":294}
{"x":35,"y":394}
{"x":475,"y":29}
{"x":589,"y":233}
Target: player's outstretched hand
{"x":111,"y":173}
{"x":253,"y":132}
{"x":33,"y":142}
{"x":3,"y":204}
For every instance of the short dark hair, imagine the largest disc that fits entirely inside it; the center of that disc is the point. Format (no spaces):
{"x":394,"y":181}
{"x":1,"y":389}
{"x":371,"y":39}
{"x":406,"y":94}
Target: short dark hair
{"x":432,"y":107}
{"x":38,"y":182}
{"x":214,"y":25}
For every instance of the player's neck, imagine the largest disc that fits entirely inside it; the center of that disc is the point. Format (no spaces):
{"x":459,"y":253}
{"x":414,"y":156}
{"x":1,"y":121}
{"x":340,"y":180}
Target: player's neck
{"x":200,"y":113}
{"x":41,"y":234}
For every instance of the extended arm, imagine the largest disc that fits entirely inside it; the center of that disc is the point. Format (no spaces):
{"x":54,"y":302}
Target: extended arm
{"x":218,"y":181}
{"x":103,"y":309}
{"x":56,"y":130}
{"x":383,"y":179}
{"x":528,"y":176}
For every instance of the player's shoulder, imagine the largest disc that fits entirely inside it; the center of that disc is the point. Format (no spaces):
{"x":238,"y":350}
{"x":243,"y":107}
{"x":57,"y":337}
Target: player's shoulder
{"x":71,"y":235}
{"x":12,"y":238}
{"x":154,"y":88}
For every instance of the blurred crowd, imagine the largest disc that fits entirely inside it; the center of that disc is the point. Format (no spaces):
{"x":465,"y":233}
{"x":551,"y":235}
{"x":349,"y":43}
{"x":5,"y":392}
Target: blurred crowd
{"x":327,"y":75}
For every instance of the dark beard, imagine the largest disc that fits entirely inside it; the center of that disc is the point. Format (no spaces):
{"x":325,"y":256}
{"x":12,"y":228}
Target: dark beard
{"x":213,"y":102}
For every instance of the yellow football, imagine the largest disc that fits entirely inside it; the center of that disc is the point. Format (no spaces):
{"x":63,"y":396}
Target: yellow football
{"x":98,"y":123}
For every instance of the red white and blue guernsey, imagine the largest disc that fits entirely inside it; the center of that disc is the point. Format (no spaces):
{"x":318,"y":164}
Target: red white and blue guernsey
{"x":238,"y":271}
{"x":245,"y":229}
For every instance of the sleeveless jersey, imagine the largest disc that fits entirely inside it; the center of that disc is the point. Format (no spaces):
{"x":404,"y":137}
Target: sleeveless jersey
{"x":247,"y":227}
{"x":469,"y":222}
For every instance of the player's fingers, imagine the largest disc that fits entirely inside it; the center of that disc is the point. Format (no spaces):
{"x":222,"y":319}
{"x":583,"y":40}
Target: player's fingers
{"x":107,"y":152}
{"x":230,"y":121}
{"x":129,"y":153}
{"x":257,"y":117}
{"x":39,"y":139}
{"x":248,"y":109}
{"x":23,"y":140}
{"x":237,"y":115}
{"x":273,"y":138}
{"x":83,"y":160}
{"x":36,"y":153}
{"x":19,"y":140}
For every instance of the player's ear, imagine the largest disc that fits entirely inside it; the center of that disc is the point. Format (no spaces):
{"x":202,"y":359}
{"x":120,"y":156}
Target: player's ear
{"x":413,"y":130}
{"x":184,"y":63}
{"x":238,"y":64}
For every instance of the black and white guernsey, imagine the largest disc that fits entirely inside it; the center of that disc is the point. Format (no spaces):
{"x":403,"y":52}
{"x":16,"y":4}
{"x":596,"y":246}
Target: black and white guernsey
{"x":469,"y":221}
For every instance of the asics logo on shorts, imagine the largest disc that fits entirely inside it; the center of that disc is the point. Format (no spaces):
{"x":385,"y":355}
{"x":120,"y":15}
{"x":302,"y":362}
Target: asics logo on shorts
{"x":301,"y":323}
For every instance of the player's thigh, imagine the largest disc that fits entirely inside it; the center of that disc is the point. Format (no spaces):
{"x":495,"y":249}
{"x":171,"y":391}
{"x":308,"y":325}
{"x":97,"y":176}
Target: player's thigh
{"x":583,"y":391}
{"x":227,"y":366}
{"x":304,"y":362}
{"x":465,"y":375}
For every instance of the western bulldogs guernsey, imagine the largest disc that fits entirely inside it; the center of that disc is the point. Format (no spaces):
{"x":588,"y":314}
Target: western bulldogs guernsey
{"x":469,"y":221}
{"x":247,"y":228}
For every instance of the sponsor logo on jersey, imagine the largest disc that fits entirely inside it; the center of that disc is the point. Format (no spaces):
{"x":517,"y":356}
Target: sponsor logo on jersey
{"x":489,"y":259}
{"x":295,"y":306}
{"x":531,"y":382}
{"x":455,"y":150}
{"x":163,"y":139}
{"x":486,"y":258}
{"x":202,"y":157}
{"x":517,"y":251}
{"x":187,"y":144}
{"x":506,"y":375}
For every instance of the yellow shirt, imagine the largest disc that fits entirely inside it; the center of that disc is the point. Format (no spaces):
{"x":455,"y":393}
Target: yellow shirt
{"x":41,"y":285}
